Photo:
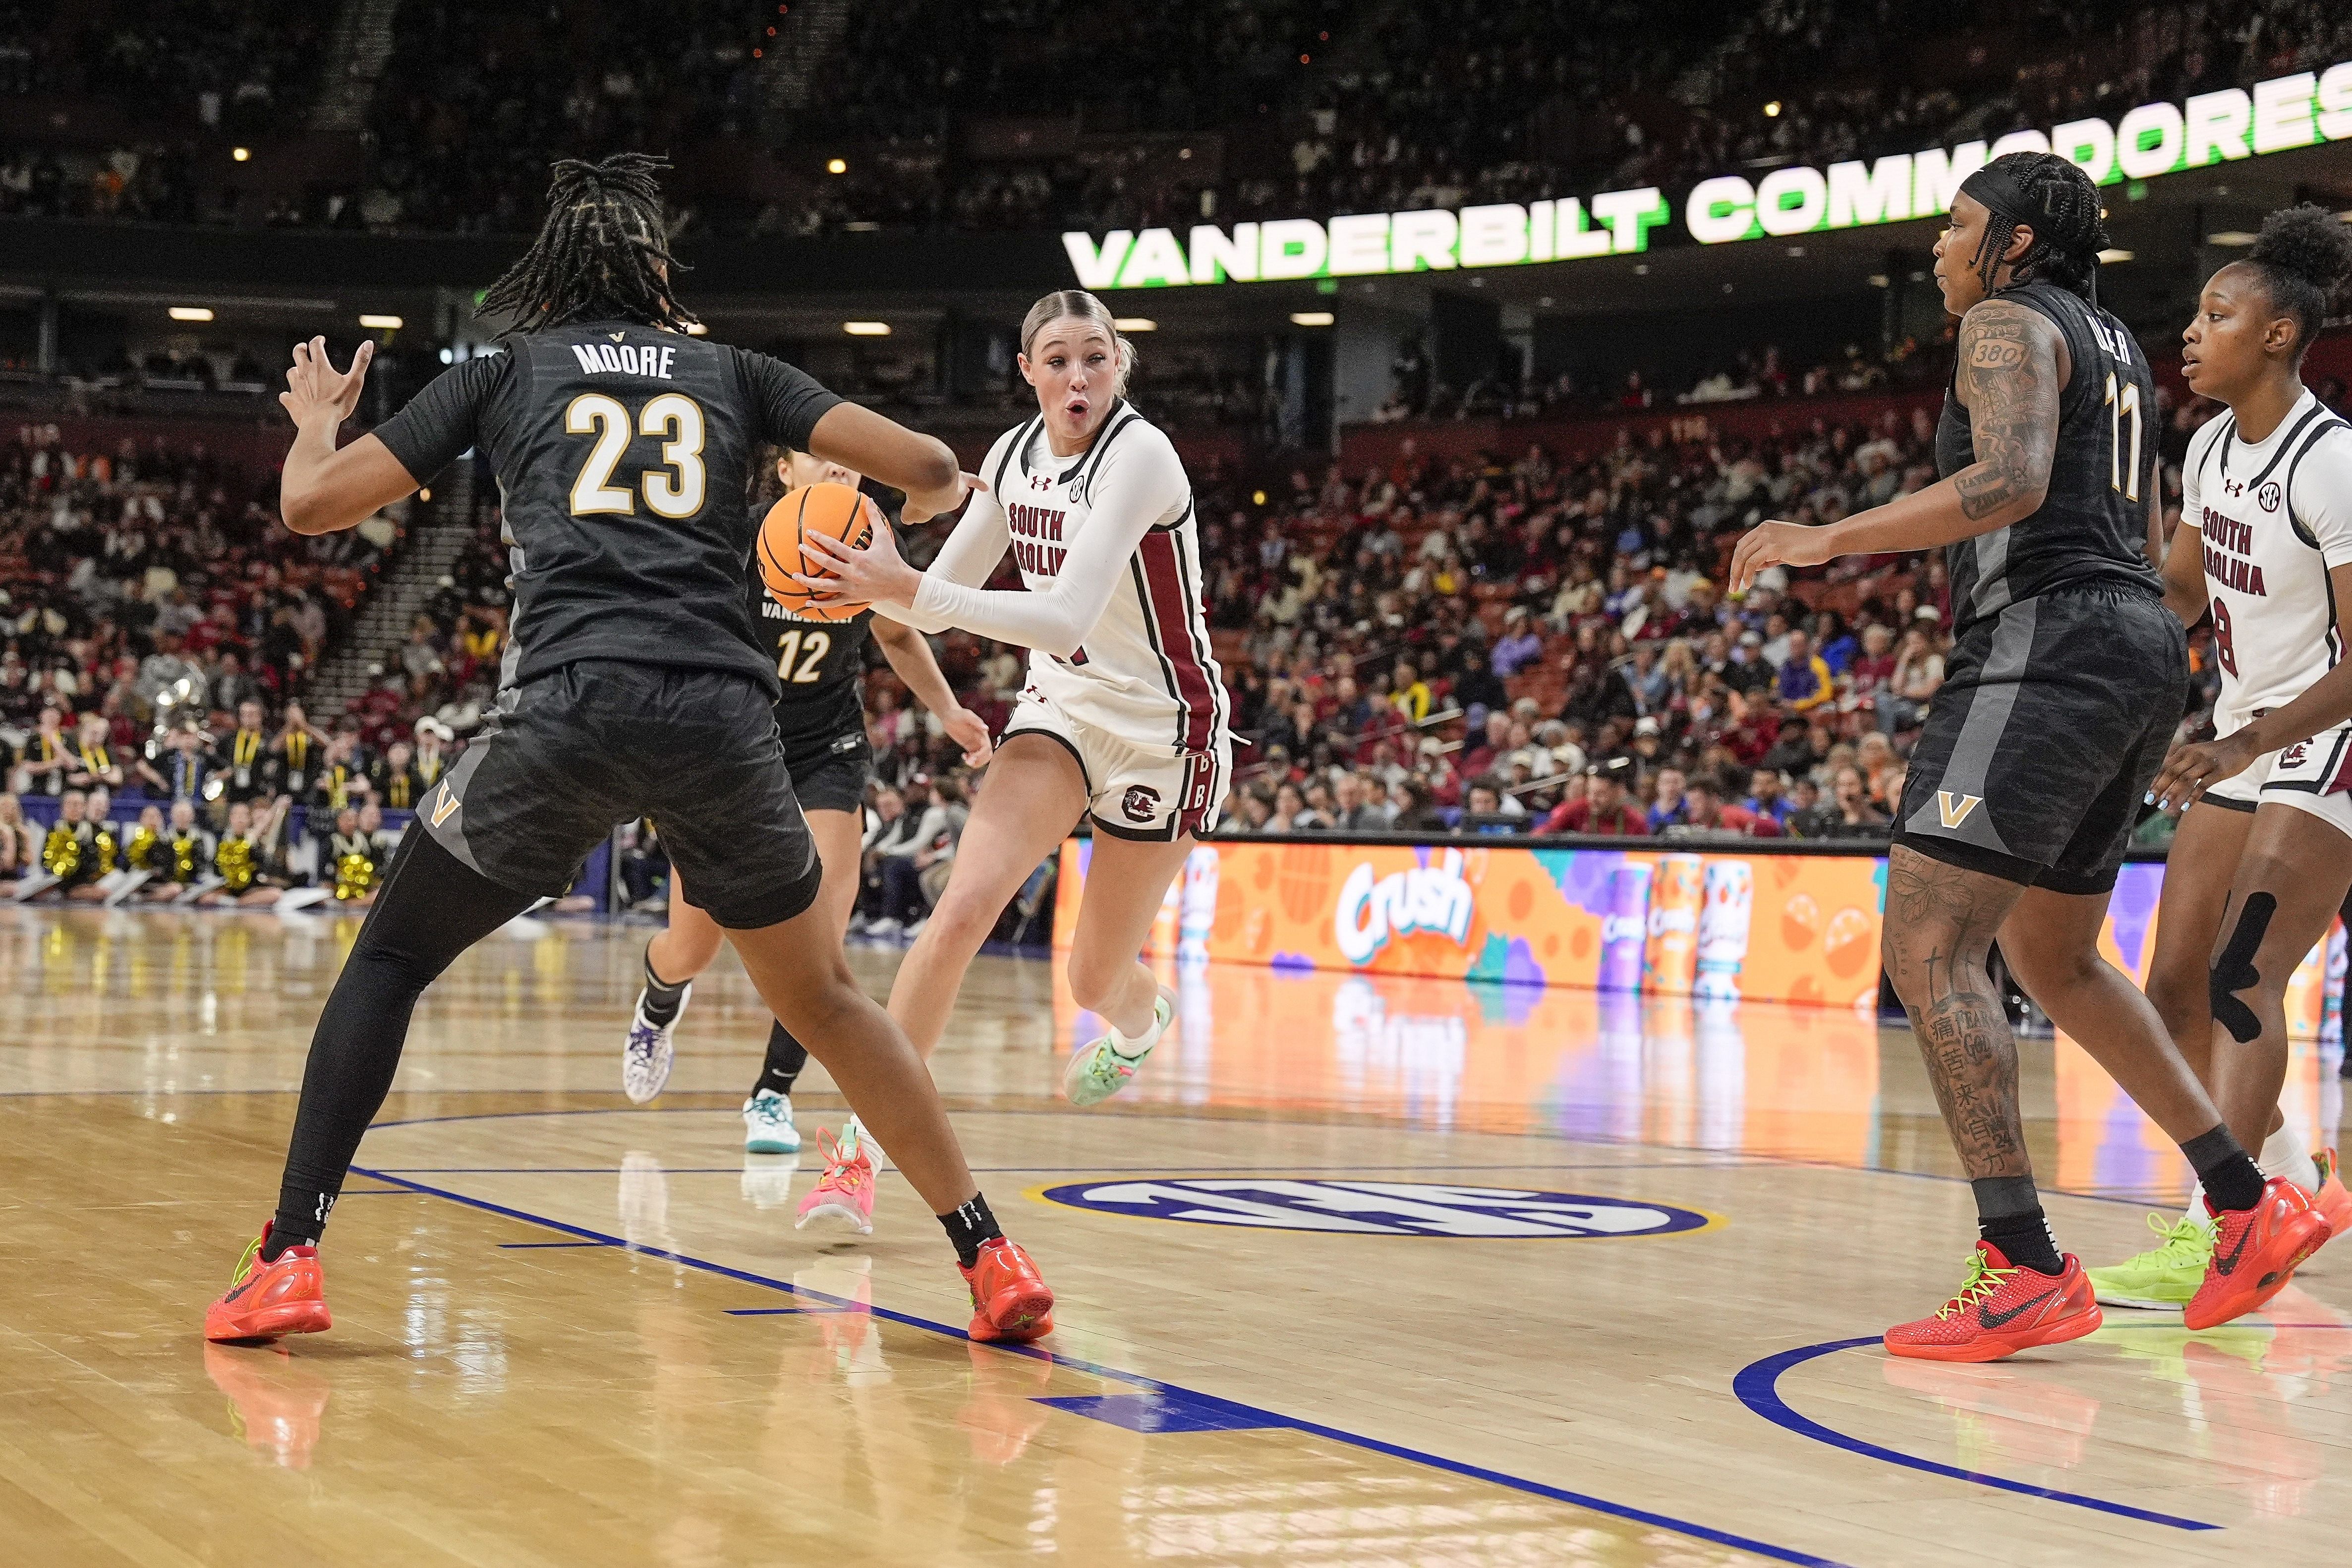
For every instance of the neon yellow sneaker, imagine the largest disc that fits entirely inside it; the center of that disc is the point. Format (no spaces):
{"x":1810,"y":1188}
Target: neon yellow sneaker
{"x":2165,"y":1275}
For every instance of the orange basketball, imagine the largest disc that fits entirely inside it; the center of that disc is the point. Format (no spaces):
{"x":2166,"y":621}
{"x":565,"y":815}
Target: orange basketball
{"x":836,"y":510}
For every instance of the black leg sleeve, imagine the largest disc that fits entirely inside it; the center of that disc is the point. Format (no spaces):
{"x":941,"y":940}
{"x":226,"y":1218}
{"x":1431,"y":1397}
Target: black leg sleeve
{"x":433,"y":907}
{"x":786,"y":1056}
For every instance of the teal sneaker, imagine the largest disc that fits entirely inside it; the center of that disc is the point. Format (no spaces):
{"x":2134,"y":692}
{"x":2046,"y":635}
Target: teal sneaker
{"x":2167,"y":1274}
{"x":1101,"y":1070}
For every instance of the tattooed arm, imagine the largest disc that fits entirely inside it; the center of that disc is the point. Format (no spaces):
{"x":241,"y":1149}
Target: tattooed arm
{"x":2013,"y":366}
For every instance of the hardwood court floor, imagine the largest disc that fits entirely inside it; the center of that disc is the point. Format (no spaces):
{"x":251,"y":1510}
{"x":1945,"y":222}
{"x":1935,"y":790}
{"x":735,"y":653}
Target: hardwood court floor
{"x":570,"y":1332}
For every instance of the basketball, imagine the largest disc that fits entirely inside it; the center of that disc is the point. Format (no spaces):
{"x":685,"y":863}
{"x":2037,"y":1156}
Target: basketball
{"x":836,"y":510}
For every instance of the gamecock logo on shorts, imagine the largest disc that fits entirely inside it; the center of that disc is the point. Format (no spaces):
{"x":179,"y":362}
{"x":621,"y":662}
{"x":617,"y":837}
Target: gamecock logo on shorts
{"x":1140,"y":804}
{"x":2294,"y":755}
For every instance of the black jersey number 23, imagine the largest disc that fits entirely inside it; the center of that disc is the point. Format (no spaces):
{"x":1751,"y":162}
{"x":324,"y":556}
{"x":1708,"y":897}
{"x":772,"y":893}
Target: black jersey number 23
{"x":674,"y":489}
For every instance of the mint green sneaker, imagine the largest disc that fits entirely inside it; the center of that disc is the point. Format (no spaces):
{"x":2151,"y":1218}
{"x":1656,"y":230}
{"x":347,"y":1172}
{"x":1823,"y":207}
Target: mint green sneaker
{"x":2165,"y":1275}
{"x":1101,"y":1068}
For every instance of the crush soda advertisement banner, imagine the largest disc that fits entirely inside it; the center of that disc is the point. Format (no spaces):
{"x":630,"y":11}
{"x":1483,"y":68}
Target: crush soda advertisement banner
{"x":1713,"y":926}
{"x":1783,"y":928}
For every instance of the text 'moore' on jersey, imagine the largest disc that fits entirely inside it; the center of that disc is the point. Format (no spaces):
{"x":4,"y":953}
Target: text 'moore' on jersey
{"x":620,"y":358}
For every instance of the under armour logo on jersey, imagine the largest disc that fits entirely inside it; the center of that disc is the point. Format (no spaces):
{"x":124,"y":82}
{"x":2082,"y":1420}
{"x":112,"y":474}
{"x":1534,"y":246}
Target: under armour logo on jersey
{"x":443,"y":807}
{"x":1041,"y":482}
{"x":2235,"y":487}
{"x":2268,"y":496}
{"x":1955,"y":808}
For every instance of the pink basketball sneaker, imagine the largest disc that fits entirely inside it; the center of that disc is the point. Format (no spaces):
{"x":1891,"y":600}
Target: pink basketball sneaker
{"x":846,"y":1190}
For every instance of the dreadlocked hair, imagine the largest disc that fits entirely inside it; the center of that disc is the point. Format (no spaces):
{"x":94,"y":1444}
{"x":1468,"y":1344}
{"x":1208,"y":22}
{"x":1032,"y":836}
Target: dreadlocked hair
{"x":2304,"y":254}
{"x":2068,"y":235}
{"x":600,"y":256}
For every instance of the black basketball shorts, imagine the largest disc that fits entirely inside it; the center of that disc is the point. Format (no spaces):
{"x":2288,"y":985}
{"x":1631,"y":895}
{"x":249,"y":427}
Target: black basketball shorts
{"x":833,"y":777}
{"x":571,"y":755}
{"x":2052,"y":720}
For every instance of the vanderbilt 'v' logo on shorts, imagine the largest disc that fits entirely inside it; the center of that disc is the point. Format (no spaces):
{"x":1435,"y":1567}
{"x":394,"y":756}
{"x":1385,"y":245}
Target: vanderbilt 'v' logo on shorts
{"x":1953,"y":809}
{"x":445,"y":806}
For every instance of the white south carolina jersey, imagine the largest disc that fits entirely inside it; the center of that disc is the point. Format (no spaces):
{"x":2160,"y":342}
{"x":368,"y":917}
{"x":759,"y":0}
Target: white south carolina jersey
{"x":1109,"y":551}
{"x":2274,"y":517}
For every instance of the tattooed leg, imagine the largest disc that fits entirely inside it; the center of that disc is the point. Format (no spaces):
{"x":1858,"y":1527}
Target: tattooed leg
{"x":1940,"y":924}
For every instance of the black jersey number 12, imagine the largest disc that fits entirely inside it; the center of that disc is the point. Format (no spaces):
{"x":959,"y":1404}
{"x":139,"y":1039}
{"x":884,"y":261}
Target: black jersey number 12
{"x":808,"y":650}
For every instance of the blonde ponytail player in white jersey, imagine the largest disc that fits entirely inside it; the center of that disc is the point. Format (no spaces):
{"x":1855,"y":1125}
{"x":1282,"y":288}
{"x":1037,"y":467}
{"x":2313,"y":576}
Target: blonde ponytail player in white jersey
{"x":1125,"y":717}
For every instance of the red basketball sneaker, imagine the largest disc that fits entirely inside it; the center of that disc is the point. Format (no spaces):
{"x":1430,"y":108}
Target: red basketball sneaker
{"x":2002,"y":1309}
{"x":265,"y":1299}
{"x":2255,"y":1253}
{"x":1009,"y":1300}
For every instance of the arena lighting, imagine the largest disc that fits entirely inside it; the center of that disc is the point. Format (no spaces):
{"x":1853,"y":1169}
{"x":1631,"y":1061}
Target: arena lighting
{"x":2234,"y":238}
{"x":1772,"y":109}
{"x":375,"y":323}
{"x":1879,"y":281}
{"x":866,"y":328}
{"x":836,"y":165}
{"x":241,"y":154}
{"x":2303,"y":110}
{"x":2115,"y":254}
{"x":1310,"y":318}
{"x":1135,"y":324}
{"x":191,"y":314}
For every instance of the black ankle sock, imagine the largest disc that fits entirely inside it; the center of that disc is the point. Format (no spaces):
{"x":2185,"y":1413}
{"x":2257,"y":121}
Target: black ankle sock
{"x":968,"y":1225}
{"x":2232,"y":1180}
{"x":662,"y":999}
{"x":2008,"y":1214}
{"x":301,"y":1217}
{"x":786,"y":1056}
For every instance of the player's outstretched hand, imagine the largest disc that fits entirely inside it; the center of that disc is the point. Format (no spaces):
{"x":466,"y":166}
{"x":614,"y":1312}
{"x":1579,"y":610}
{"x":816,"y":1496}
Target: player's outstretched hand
{"x":312,"y":382}
{"x":859,"y":576}
{"x":914,"y":511}
{"x":1779,"y":543}
{"x":2189,"y":771}
{"x":970,"y":730}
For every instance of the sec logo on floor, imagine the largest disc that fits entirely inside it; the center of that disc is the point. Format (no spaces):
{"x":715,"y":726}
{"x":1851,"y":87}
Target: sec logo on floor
{"x":1378,"y":1208}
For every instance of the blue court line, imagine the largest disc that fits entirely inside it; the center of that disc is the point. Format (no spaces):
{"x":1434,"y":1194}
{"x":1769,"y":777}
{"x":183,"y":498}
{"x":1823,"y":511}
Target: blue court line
{"x":1757,"y":1388}
{"x":772,"y":1311}
{"x":1331,"y":1434}
{"x":533,"y":1246}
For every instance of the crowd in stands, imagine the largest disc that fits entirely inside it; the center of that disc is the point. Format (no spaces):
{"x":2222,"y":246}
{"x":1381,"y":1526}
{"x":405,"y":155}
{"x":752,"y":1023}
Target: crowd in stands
{"x":1408,"y":107}
{"x":152,"y":615}
{"x":923,"y":95}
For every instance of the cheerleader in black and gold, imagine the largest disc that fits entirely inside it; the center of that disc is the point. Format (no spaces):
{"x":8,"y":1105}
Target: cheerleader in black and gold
{"x":355,"y":858}
{"x":20,"y":842}
{"x":105,"y":855}
{"x":144,"y":849}
{"x":68,"y":851}
{"x":238,"y":862}
{"x":187,"y":855}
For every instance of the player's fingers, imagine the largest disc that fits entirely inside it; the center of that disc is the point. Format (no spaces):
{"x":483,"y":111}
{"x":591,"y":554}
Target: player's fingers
{"x":827,"y":545}
{"x":974,"y":482}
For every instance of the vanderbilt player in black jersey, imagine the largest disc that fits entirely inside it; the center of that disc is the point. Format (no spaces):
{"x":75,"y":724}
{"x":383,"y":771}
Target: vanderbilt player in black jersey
{"x":2067,"y":679}
{"x":821,"y":667}
{"x":632,"y":687}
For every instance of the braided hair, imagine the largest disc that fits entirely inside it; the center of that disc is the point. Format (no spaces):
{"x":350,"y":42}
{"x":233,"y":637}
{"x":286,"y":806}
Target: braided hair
{"x":2304,"y":253}
{"x":600,"y":255}
{"x":2062,"y":208}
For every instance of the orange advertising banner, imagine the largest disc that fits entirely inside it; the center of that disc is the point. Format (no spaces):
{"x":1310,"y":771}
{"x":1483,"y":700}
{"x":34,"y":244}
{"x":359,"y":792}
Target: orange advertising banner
{"x":1655,"y":921}
{"x":1779,"y":928}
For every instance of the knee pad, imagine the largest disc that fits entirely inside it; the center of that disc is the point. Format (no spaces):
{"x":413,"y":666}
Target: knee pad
{"x":2234,"y":971}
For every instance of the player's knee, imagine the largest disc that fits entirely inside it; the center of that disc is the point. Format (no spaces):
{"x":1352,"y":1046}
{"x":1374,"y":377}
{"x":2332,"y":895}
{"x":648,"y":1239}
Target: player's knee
{"x":961,"y":918}
{"x":1093,"y":985}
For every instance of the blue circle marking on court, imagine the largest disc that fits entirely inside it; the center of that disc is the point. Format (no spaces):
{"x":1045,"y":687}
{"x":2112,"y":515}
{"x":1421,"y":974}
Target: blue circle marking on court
{"x":1377,"y":1208}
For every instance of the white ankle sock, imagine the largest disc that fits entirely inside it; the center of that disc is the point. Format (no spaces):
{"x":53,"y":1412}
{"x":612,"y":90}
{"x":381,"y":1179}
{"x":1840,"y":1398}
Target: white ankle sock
{"x":855,"y":1137}
{"x":2285,"y":1152}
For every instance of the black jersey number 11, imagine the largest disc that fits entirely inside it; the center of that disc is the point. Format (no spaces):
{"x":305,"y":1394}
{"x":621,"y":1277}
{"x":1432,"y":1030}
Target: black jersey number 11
{"x":673,"y":490}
